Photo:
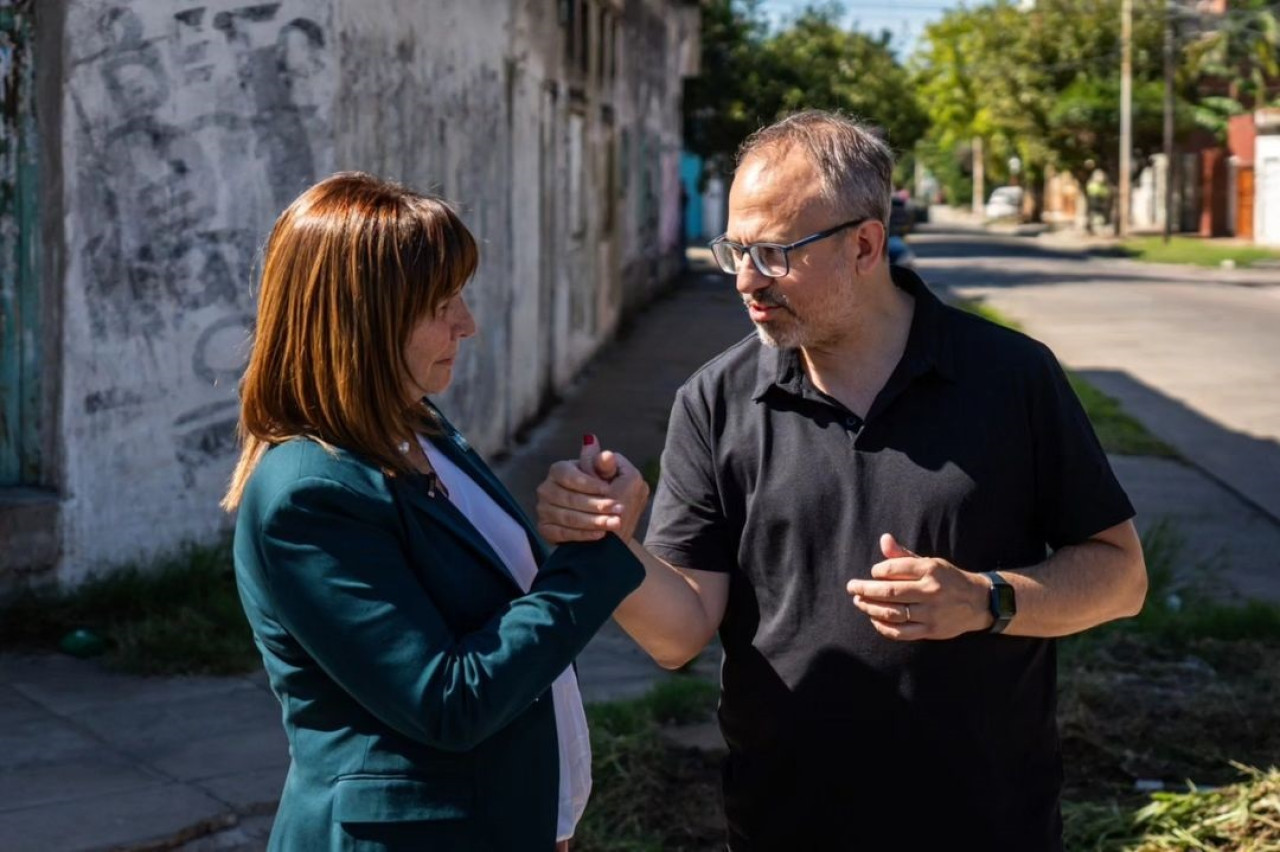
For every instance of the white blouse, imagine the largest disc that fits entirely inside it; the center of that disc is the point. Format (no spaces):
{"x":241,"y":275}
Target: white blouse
{"x":509,"y":540}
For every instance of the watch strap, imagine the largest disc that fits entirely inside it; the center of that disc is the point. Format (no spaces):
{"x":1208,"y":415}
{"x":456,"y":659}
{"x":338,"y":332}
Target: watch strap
{"x":1000,"y":614}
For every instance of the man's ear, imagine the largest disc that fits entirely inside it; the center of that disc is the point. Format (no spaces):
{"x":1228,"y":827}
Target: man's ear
{"x":872,"y":243}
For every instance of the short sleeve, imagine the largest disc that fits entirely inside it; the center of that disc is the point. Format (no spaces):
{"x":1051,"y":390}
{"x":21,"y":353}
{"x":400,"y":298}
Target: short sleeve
{"x":1077,"y":493}
{"x":688,"y":526}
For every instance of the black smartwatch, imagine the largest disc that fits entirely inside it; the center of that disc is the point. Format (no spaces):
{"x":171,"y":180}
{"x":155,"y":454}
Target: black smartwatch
{"x":1002,"y":603}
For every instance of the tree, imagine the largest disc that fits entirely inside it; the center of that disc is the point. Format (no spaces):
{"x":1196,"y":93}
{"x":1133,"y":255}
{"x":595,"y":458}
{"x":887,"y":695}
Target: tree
{"x":1034,"y":83}
{"x":1242,"y":49}
{"x":816,"y":64}
{"x":752,"y":76}
{"x":1086,"y":125}
{"x":721,"y":105}
{"x":1232,"y":61}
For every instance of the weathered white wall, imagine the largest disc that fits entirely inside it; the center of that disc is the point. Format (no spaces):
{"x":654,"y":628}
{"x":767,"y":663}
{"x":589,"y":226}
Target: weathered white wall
{"x":653,"y":57}
{"x":422,"y":99}
{"x":188,"y":127}
{"x":1266,"y":218}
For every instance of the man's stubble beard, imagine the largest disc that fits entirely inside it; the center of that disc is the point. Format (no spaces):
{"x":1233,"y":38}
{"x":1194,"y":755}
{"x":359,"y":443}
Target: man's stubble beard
{"x":788,"y":338}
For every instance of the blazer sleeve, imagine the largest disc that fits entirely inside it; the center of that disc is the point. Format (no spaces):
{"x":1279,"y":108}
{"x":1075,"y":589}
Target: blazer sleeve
{"x":340,"y":584}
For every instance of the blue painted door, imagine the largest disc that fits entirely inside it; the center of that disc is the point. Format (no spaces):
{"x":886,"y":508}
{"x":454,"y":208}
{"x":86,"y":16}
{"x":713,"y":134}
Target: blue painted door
{"x":19,"y":295}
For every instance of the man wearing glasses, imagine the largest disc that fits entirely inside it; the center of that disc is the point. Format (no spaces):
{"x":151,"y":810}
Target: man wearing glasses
{"x":887,"y":509}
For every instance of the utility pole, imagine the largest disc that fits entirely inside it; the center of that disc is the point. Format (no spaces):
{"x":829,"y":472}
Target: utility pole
{"x":1169,"y":170}
{"x":1126,"y":114}
{"x":979,"y":176}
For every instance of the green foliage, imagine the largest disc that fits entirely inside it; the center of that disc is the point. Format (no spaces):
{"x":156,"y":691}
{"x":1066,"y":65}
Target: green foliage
{"x":651,"y":471}
{"x":647,"y":794}
{"x":752,"y":76}
{"x":1240,"y":816}
{"x":1183,"y":691}
{"x":682,"y":700}
{"x":721,"y":106}
{"x":815,"y":64}
{"x":1196,"y":251}
{"x":979,"y":308}
{"x":1241,"y":53}
{"x":1043,"y":84}
{"x":1213,"y":113}
{"x":180,"y":615}
{"x":1185,"y":605}
{"x":1085,"y":124}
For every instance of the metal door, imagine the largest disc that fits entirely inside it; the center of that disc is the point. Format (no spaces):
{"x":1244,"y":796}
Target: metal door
{"x":19,"y":294}
{"x":1244,"y":203}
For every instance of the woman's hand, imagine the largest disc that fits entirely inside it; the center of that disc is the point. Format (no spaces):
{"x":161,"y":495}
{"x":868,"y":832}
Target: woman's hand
{"x":599,"y":493}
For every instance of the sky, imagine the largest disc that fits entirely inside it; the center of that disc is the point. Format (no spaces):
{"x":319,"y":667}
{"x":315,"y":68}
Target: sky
{"x":905,"y":19}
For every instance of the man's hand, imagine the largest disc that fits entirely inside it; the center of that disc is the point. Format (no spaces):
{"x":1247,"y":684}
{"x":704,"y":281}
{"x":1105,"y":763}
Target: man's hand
{"x":916,"y":597}
{"x":582,"y":500}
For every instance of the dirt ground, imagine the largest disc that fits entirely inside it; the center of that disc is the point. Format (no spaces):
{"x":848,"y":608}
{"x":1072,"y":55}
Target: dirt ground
{"x":1130,"y":711}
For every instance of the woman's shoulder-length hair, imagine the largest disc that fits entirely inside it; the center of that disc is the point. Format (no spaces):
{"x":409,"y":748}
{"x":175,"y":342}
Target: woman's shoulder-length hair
{"x":348,"y":270}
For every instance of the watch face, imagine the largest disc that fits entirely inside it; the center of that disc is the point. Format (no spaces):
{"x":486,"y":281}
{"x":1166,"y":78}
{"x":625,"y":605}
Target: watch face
{"x":1005,"y":599}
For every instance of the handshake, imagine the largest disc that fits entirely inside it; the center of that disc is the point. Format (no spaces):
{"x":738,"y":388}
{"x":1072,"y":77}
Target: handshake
{"x":600,"y":492}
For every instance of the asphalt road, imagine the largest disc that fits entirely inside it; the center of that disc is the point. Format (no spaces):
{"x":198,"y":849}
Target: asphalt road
{"x":1193,"y":353}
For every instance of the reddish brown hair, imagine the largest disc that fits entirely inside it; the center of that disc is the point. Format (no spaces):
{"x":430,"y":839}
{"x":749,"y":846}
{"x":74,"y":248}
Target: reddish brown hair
{"x":350,"y":267}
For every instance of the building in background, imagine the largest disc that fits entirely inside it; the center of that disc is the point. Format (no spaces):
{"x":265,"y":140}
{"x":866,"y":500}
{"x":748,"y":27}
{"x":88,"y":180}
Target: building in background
{"x":1266,"y":170}
{"x":146,"y":147}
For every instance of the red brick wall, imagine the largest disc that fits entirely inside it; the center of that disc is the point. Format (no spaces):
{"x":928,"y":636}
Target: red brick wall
{"x":1241,"y":134}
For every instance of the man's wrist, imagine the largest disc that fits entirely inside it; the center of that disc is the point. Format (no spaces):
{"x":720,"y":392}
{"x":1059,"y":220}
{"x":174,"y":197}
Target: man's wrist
{"x":982,"y":604}
{"x":1002,"y":601}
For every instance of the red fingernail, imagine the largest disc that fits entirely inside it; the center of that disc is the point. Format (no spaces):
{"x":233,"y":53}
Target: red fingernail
{"x":588,"y":439}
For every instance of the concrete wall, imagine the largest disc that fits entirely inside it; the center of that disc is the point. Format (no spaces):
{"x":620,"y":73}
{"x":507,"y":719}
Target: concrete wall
{"x":1266,"y":229}
{"x":186,"y":128}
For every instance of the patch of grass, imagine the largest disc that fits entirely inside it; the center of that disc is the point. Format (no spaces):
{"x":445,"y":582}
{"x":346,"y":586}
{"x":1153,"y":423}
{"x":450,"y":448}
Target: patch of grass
{"x":682,"y":701}
{"x":979,"y":308}
{"x":1195,"y":251}
{"x":1181,"y":611}
{"x":1190,"y":689}
{"x":649,"y":795}
{"x":1239,"y":816}
{"x":651,"y":470}
{"x":1117,"y":430}
{"x":180,"y":615}
{"x":1188,"y":692}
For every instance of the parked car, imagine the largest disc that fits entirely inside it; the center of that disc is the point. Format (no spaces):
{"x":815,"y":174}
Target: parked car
{"x":900,"y":254}
{"x":901,"y":216}
{"x":1005,"y":203}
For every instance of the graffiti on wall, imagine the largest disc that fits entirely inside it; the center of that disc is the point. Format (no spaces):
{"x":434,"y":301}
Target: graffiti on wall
{"x":196,"y":126}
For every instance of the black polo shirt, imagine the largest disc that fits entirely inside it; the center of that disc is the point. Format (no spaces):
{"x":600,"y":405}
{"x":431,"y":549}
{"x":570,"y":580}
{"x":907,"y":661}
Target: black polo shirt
{"x":976,"y":451}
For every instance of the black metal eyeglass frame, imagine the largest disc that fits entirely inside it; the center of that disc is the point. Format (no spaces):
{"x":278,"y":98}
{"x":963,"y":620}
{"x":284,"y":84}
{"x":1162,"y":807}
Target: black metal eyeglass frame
{"x":729,"y":262}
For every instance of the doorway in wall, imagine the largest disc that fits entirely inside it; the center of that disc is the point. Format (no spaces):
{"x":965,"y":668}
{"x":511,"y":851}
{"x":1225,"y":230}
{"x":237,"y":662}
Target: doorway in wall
{"x":20,"y":462}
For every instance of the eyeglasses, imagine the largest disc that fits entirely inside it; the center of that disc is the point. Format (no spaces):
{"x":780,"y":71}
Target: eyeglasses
{"x":771,"y":259}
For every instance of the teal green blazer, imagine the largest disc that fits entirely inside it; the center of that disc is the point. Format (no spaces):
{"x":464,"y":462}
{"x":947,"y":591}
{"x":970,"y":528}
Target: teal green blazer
{"x":413,"y":672}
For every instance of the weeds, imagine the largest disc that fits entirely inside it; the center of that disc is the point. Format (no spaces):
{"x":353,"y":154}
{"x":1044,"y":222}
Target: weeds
{"x":180,"y":615}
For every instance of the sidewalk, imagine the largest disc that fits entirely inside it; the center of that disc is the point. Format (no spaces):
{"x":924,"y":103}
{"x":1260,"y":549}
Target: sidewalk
{"x":91,"y":760}
{"x":1070,"y":238}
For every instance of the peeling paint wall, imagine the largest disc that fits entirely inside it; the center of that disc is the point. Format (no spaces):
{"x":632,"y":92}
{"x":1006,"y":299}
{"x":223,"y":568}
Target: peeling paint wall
{"x":186,"y":128}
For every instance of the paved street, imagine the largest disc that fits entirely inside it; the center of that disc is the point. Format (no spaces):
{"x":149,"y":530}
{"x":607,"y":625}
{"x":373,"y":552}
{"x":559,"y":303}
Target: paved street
{"x":1193,"y":353}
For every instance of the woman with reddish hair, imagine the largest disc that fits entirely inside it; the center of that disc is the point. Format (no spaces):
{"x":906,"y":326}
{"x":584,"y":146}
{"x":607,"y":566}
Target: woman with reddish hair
{"x":415,"y":628}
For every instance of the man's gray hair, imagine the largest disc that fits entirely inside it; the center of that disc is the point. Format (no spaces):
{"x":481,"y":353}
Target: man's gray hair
{"x":854,"y":163}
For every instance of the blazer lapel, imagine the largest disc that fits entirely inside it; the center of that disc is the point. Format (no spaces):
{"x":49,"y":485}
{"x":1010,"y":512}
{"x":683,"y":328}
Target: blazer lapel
{"x":455,"y":446}
{"x":441,"y":510}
